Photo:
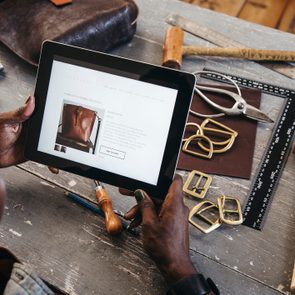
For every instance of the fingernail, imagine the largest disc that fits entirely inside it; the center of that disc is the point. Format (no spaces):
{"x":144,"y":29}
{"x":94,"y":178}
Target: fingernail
{"x":139,"y":195}
{"x":28,"y":108}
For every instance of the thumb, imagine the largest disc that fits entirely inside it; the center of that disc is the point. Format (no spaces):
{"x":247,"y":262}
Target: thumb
{"x":20,"y":115}
{"x":146,"y":207}
{"x":26,"y":111}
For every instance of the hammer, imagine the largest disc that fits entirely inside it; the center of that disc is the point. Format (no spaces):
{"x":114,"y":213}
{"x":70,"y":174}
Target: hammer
{"x":173,"y":51}
{"x":112,"y":221}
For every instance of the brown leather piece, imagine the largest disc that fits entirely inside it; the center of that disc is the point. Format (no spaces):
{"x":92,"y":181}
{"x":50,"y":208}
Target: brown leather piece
{"x":61,"y":2}
{"x":237,"y":161}
{"x":94,"y":24}
{"x":77,"y":122}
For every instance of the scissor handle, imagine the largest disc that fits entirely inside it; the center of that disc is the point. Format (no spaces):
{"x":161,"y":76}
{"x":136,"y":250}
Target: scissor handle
{"x":238,"y":108}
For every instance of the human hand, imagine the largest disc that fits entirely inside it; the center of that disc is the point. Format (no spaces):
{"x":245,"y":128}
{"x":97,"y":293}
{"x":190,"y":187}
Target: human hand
{"x":12,"y":134}
{"x":2,"y":196}
{"x":165,"y":234}
{"x":134,"y":214}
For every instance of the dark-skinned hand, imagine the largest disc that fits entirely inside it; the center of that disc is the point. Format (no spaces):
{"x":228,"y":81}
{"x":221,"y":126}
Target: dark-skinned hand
{"x":12,"y":133}
{"x":165,"y":232}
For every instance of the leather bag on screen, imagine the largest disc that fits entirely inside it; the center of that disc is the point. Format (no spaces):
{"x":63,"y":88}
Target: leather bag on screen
{"x":77,"y":123}
{"x":94,"y":24}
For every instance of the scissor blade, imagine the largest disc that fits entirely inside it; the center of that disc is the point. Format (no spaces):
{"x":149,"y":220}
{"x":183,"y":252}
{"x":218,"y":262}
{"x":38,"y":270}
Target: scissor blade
{"x":256,"y":114}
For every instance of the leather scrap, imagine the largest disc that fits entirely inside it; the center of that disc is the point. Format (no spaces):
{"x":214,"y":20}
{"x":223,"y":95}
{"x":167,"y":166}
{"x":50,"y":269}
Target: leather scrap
{"x":98,"y":25}
{"x":236,"y":162}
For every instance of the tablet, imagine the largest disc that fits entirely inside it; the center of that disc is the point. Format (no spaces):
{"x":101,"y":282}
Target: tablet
{"x":108,"y":118}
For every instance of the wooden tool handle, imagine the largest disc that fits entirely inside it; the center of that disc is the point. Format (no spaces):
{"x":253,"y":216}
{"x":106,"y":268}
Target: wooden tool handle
{"x":172,"y":48}
{"x":292,"y":288}
{"x":112,"y":221}
{"x":61,"y":2}
{"x":247,"y":53}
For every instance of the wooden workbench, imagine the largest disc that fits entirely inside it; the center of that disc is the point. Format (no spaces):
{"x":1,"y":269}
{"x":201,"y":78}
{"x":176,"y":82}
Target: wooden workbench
{"x":68,"y":245}
{"x":271,"y":13}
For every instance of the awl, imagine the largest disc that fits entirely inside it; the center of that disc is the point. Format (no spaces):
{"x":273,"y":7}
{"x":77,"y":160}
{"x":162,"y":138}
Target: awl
{"x":112,"y":221}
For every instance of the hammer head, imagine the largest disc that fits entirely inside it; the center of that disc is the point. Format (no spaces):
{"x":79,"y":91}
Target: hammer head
{"x":172,"y":48}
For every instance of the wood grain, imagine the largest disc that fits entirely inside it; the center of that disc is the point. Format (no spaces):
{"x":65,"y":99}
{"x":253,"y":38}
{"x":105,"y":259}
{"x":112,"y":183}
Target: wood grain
{"x":69,"y":245}
{"x":263,"y":12}
{"x":287,"y":22}
{"x":273,"y":13}
{"x":229,"y":7}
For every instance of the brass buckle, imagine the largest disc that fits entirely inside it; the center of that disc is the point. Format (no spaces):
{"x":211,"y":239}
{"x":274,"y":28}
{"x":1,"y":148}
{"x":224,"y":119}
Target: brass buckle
{"x":198,"y":137}
{"x":224,"y":130}
{"x":197,"y":188}
{"x":211,"y":211}
{"x":195,"y":125}
{"x":230,"y":210}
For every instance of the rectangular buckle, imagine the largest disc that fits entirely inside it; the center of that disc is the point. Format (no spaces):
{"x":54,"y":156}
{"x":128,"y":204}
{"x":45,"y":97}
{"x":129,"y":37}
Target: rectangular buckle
{"x":230,"y":210}
{"x":204,"y":212}
{"x":197,"y":184}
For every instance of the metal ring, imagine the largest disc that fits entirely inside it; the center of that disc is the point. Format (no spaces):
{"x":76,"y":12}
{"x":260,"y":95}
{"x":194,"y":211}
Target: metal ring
{"x":196,"y":136}
{"x":196,"y":125}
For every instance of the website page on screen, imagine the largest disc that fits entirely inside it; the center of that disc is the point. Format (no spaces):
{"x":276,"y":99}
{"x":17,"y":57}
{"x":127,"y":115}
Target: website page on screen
{"x":106,"y":121}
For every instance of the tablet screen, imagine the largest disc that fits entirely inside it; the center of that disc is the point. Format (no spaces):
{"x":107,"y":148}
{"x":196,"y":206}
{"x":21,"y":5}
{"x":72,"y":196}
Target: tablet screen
{"x":106,"y":121}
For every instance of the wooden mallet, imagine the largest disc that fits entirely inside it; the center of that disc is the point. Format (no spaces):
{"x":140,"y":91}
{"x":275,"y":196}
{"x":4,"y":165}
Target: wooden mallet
{"x":173,"y":51}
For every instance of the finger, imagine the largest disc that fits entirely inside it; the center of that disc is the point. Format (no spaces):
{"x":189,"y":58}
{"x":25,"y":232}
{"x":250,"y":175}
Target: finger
{"x":24,"y":113}
{"x":126,"y":192}
{"x":158,"y":204}
{"x":2,"y":196}
{"x":132,"y":213}
{"x":20,"y":115}
{"x":175,"y":190}
{"x":28,"y":108}
{"x":146,"y":207}
{"x":135,"y":222}
{"x":174,"y":199}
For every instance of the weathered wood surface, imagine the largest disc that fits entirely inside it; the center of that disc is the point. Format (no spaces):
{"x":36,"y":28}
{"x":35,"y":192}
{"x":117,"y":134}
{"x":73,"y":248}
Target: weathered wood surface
{"x":287,"y":22}
{"x":271,"y":13}
{"x":68,"y":245}
{"x":240,"y":260}
{"x":229,"y":7}
{"x":264,"y":12}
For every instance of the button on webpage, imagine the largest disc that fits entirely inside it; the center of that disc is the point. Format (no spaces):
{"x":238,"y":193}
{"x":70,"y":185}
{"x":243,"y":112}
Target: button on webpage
{"x":112,"y":152}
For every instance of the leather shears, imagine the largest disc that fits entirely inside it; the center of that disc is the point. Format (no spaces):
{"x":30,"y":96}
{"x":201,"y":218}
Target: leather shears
{"x":240,"y":107}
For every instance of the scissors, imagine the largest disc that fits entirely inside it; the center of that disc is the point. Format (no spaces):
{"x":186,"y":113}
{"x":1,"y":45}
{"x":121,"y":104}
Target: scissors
{"x":240,"y":107}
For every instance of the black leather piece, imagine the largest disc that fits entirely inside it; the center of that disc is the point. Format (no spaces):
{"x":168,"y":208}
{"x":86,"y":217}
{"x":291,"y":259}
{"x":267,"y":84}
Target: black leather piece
{"x":93,"y":24}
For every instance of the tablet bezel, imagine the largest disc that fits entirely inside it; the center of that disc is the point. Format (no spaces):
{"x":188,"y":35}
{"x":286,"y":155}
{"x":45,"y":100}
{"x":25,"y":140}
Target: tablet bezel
{"x":183,"y":81}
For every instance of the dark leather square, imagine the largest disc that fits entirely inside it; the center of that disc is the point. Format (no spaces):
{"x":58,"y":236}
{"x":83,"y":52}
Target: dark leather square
{"x":237,"y":161}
